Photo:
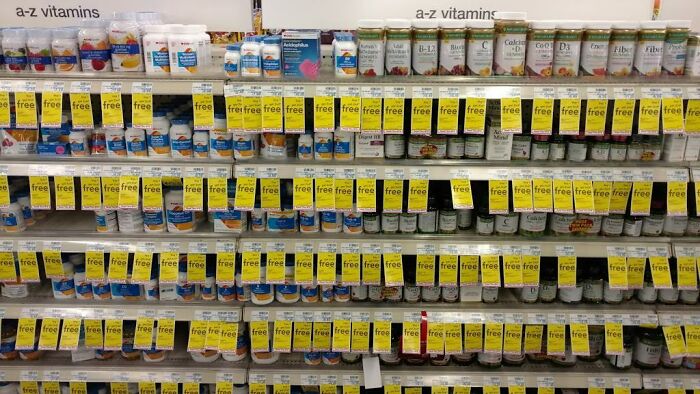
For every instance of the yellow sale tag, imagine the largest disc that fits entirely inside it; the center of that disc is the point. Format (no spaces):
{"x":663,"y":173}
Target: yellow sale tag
{"x":448,"y":111}
{"x":566,"y":271}
{"x":475,"y":115}
{"x":596,"y":390}
{"x":40,"y":193}
{"x":117,"y":269}
{"x":142,"y":110}
{"x":491,"y":389}
{"x":635,"y":272}
{"x":275,"y":267}
{"x":281,"y":388}
{"x":223,"y":387}
{"x":672,"y":114}
{"x":511,"y":121}
{"x":421,"y":115}
{"x":350,"y":113}
{"x":461,"y":194}
{"x":5,"y":109}
{"x":25,"y":110}
{"x":303,"y":196}
{"x":282,"y":336}
{"x":425,"y":270}
{"x":294,"y":117}
{"x":112,"y":114}
{"x":542,"y":113}
{"x":393,"y":195}
{"x":322,"y":336}
{"x":53,"y":265}
{"x":198,"y":336}
{"x":143,"y":336}
{"x":245,"y":193}
{"x":113,"y":334}
{"x":641,"y":198}
{"x":152,"y":192}
{"x":51,"y":387}
{"x":692,"y":116}
{"x":542,"y":195}
{"x":211,"y":341}
{"x":144,"y":388}
{"x":94,"y":265}
{"x":677,"y":199}
{"x":28,"y":387}
{"x":418,"y":195}
{"x":371,"y":269}
{"x":360,"y":337}
{"x":596,"y":111}
{"x":498,"y":196}
{"x":81,"y":110}
{"x":76,"y":387}
{"x":392,"y":389}
{"x":226,"y":267}
{"x":303,"y":268}
{"x":371,"y":121}
{"x":193,"y":193}
{"x":8,"y":272}
{"x":516,"y":389}
{"x":613,"y":338}
{"x":270,"y":193}
{"x":563,"y":196}
{"x":556,"y":339}
{"x":649,"y":115}
{"x":617,"y":272}
{"x":687,"y":272}
{"x":439,"y":390}
{"x":619,"y":196}
{"x":344,"y":194}
{"x":324,"y":113}
{"x":522,"y":195}
{"x":129,"y":192}
{"x":660,"y":272}
{"x":533,"y":338}
{"x":325,"y":194}
{"x":473,"y":337}
{"x":48,"y":337}
{"x":569,"y":115}
{"x":512,"y":271}
{"x":448,"y":271}
{"x":272,"y":114}
{"x":141,"y":271}
{"x":351,"y":389}
{"x":366,"y":195}
{"x":393,"y":269}
{"x":490,"y":270}
{"x":350,"y":269}
{"x":411,"y":337}
{"x":461,"y":390}
{"x":169,"y":267}
{"x":166,"y":388}
{"x":453,"y":338}
{"x":512,"y":338}
{"x":583,"y":196}
{"x":468,"y":270}
{"x":51,"y":108}
{"x":228,"y":341}
{"x":93,"y":334}
{"x":203,"y":108}
{"x":393,"y":115}
{"x":196,"y":267}
{"x":531,"y":270}
{"x":165,"y":335}
{"x":4,"y":191}
{"x":234,"y":113}
{"x":190,"y":388}
{"x":493,"y":337}
{"x":579,"y":339}
{"x":26,"y":328}
{"x":250,"y":267}
{"x":28,"y":267}
{"x":381,"y":337}
{"x":692,"y":339}
{"x":325,"y":270}
{"x":623,"y":116}
{"x":302,"y":336}
{"x":110,"y":192}
{"x":674,"y":341}
{"x":342,"y":329}
{"x":602,"y":191}
{"x":260,"y":388}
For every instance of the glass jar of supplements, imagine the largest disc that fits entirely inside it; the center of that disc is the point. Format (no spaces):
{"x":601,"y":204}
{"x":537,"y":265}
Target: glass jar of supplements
{"x":623,"y":41}
{"x":618,"y":148}
{"x":624,"y":360}
{"x":452,"y":47}
{"x":455,"y":147}
{"x":390,"y":223}
{"x":424,"y":51}
{"x":506,"y":224}
{"x":540,"y":147}
{"x":612,"y":225}
{"x":577,"y":148}
{"x":600,"y":148}
{"x":650,"y":48}
{"x":447,"y":219}
{"x":511,"y":38}
{"x":480,"y":34}
{"x":557,"y":148}
{"x":397,"y":49}
{"x":675,"y":47}
{"x":484,"y":222}
{"x":474,"y":146}
{"x":567,"y":48}
{"x":540,"y":48}
{"x":394,"y":146}
{"x":533,"y":224}
{"x":635,"y":148}
{"x":594,"y":49}
{"x":520,"y":149}
{"x":370,"y":47}
{"x":464,"y":218}
{"x":648,"y":344}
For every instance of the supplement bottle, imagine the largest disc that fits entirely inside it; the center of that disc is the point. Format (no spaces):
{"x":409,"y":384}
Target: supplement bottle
{"x":344,"y":56}
{"x":692,"y":58}
{"x":39,"y":50}
{"x":540,"y":49}
{"x":650,"y":48}
{"x":623,"y":41}
{"x":675,"y":47}
{"x":398,"y":47}
{"x":567,"y":48}
{"x":452,"y":47}
{"x":480,"y":39}
{"x":220,"y":140}
{"x":116,"y":143}
{"x":78,"y":140}
{"x":250,"y":57}
{"x":271,"y":53}
{"x":158,"y":137}
{"x":13,"y":217}
{"x":180,"y":139}
{"x":135,"y":142}
{"x":200,"y":144}
{"x":125,"y":39}
{"x":232,"y":60}
{"x":178,"y":220}
{"x":14,"y":48}
{"x":155,"y":47}
{"x":648,"y":344}
{"x":509,"y":52}
{"x":64,"y":50}
{"x":95,"y":50}
{"x":595,"y":48}
{"x":370,"y":47}
{"x":184,"y":46}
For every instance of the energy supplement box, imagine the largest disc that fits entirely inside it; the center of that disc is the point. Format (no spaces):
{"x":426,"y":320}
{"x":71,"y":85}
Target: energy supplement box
{"x":301,"y":53}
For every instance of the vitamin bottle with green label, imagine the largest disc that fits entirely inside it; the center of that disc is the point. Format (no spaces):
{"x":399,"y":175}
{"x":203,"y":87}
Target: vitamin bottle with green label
{"x":509,"y":52}
{"x":425,"y":47}
{"x":594,"y":49}
{"x":567,"y":48}
{"x":540,"y":49}
{"x":675,"y":46}
{"x":650,"y":48}
{"x":452,"y":47}
{"x":623,"y":41}
{"x":480,"y":36}
{"x":398,"y":47}
{"x":370,"y":47}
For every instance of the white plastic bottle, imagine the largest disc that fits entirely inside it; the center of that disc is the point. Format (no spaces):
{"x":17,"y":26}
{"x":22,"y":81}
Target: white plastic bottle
{"x":135,"y":142}
{"x":14,"y":43}
{"x":93,"y":43}
{"x":204,"y":47}
{"x":116,"y":143}
{"x":125,"y":39}
{"x":232,"y":60}
{"x":180,"y":139}
{"x":13,"y":217}
{"x":250,"y":57}
{"x":155,"y":49}
{"x":158,"y":138}
{"x":345,"y":56}
{"x":64,"y":50}
{"x":39,"y":50}
{"x":184,"y":44}
{"x":200,"y":144}
{"x":178,"y":220}
{"x":272,"y":57}
{"x":220,"y":140}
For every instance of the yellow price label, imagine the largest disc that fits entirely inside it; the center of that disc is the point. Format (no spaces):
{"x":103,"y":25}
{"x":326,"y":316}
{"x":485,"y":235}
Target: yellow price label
{"x":366,"y":194}
{"x":475,"y":115}
{"x":660,"y":272}
{"x":641,"y":198}
{"x":270,"y":194}
{"x":512,"y":389}
{"x":613,"y":338}
{"x":556,"y":339}
{"x":113,"y":334}
{"x":234,"y":113}
{"x":371,"y":120}
{"x":28,"y":387}
{"x":393,"y":269}
{"x":371,"y":268}
{"x":166,"y":388}
{"x":542,"y":195}
{"x":392,"y":389}
{"x":245,"y":193}
{"x":468,"y":270}
{"x":203,"y":109}
{"x":169,"y":267}
{"x":439,"y":390}
{"x":198,"y":336}
{"x":672,"y":115}
{"x":76,"y":387}
{"x":393,"y":115}
{"x":281,"y":388}
{"x":193,"y":193}
{"x":4,"y":191}
{"x":649,"y":115}
{"x":302,"y":336}
{"x":303,"y":193}
{"x":635,"y":272}
{"x":393,"y":196}
{"x":360,"y":337}
{"x":511,"y":121}
{"x":498,"y":196}
{"x":196,"y":267}
{"x":617,"y":272}
{"x":623,"y":116}
{"x":8,"y":273}
{"x":533,"y":338}
{"x":566,"y":271}
{"x":211,"y":341}
{"x":226,"y":268}
{"x":261,"y":388}
{"x":425,"y":270}
{"x":350,"y":113}
{"x":117,"y":268}
{"x":146,"y":387}
{"x":26,"y":328}
{"x":5,"y":109}
{"x":490,"y":389}
{"x":110,"y":192}
{"x":141,"y":270}
{"x":142,"y":110}
{"x":48,"y":337}
{"x":275,"y":267}
{"x":143,"y":336}
{"x":25,"y":110}
{"x":461,"y":390}
{"x":94,"y":266}
{"x":453,"y":338}
{"x":579,"y":339}
{"x":272,"y":114}
{"x":411,"y":337}
{"x":602,"y":192}
{"x":325,"y":194}
{"x":542,"y":114}
{"x":325,"y":269}
{"x":53,"y":265}
{"x":321,"y":336}
{"x":228,"y":341}
{"x":294,"y":116}
{"x":303,"y":268}
{"x":165,"y":334}
{"x":28,"y":267}
{"x":493,"y":337}
{"x":324,"y":113}
{"x":449,"y":268}
{"x":512,"y":338}
{"x":692,"y":116}
{"x":81,"y":110}
{"x":421,"y":115}
{"x":93,"y":334}
{"x":461,"y":193}
{"x":40,"y":193}
{"x":51,"y":387}
{"x":250,"y":267}
{"x":569,"y":116}
{"x":692,"y":339}
{"x":112,"y":114}
{"x":350,"y":269}
{"x":677,"y":198}
{"x":522,"y":195}
{"x":282,"y":336}
{"x":51,"y":108}
{"x":563,"y":196}
{"x":531,"y":270}
{"x":512,"y":271}
{"x":152,"y":192}
{"x":596,"y":112}
{"x":490,"y":270}
{"x":473,"y":337}
{"x":618,"y":197}
{"x":381,"y":337}
{"x":448,"y":114}
{"x":675,"y":341}
{"x":129,"y":191}
{"x":223,"y":387}
{"x":190,"y":388}
{"x":344,"y":194}
{"x":342,"y":331}
{"x":583,"y":196}
{"x":687,"y":272}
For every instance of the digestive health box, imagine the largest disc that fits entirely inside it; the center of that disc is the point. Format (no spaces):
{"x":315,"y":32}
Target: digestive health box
{"x":301,"y":53}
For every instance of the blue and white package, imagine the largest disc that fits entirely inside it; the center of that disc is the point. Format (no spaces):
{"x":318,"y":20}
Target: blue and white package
{"x":301,"y":53}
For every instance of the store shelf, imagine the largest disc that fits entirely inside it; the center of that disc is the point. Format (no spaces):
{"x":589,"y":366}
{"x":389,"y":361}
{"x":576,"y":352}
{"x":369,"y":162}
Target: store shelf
{"x":464,"y":242}
{"x":678,"y":314}
{"x":477,"y":169}
{"x":178,"y":367}
{"x":76,"y":233}
{"x":668,"y":378}
{"x":162,"y":85}
{"x":109,"y":166}
{"x":508,"y":309}
{"x":293,"y":367}
{"x":42,"y":304}
{"x":694,"y":172}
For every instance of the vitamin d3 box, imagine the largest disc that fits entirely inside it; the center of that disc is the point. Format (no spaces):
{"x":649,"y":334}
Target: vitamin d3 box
{"x":301,"y":53}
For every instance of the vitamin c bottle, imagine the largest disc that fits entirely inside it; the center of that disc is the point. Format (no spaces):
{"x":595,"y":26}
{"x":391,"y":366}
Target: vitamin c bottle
{"x":594,"y":49}
{"x":398,"y":47}
{"x":425,"y":47}
{"x":370,"y":47}
{"x":511,"y":31}
{"x":567,"y":48}
{"x":650,"y":48}
{"x":480,"y":35}
{"x":675,"y":46}
{"x":540,"y":48}
{"x":452,"y":47}
{"x":623,"y":41}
